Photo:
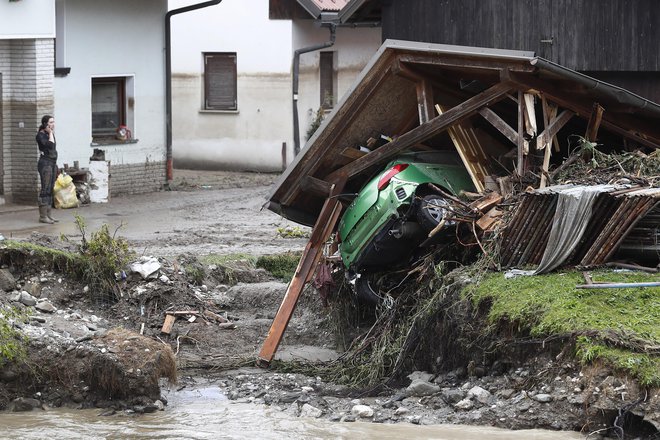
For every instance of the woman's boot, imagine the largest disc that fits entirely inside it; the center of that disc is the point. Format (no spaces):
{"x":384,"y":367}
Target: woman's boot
{"x":43,"y":215}
{"x":48,"y":210}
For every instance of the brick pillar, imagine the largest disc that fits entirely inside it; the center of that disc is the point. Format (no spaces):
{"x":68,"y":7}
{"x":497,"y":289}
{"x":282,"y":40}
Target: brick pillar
{"x":27,"y":67}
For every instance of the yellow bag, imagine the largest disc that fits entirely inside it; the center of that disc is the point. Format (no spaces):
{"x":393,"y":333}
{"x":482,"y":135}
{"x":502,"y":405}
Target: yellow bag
{"x":64,"y":192}
{"x":63,"y":180}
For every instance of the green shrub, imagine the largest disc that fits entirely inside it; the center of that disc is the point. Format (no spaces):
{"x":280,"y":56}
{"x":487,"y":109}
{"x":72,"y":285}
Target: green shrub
{"x":12,"y":342}
{"x":282,"y":266}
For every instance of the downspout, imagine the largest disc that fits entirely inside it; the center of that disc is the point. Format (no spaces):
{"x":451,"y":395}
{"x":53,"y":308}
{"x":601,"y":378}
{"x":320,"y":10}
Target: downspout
{"x":168,"y":79}
{"x":296,"y":71}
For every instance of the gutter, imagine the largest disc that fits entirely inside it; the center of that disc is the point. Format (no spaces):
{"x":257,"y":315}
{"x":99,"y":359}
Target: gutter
{"x":296,"y":72}
{"x":618,"y":94}
{"x":168,"y":79}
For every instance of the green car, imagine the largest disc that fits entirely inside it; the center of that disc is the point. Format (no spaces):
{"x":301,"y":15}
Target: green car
{"x":391,"y":217}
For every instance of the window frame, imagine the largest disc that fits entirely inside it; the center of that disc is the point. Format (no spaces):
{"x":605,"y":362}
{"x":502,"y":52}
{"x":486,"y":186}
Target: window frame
{"x":211,"y":101}
{"x":119,"y":82}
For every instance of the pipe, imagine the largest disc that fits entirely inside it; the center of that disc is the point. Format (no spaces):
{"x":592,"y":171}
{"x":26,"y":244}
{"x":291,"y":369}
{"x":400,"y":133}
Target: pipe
{"x":168,"y":79}
{"x":296,"y":70}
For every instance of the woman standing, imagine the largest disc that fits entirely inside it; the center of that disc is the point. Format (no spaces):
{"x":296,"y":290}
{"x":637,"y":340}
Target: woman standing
{"x":47,"y":167}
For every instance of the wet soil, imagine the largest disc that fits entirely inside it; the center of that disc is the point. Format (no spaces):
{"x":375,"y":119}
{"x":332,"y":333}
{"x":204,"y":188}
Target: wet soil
{"x":114,"y":350}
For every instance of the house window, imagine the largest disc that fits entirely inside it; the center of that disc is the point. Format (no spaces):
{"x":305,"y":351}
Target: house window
{"x":112,"y":107}
{"x":327,"y":75}
{"x":220,"y":81}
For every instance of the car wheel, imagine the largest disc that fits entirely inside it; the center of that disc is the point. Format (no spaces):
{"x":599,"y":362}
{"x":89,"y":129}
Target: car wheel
{"x":366,"y":289}
{"x":431,"y":211}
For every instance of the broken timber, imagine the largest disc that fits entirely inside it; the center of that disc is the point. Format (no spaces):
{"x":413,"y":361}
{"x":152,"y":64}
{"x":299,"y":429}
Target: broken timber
{"x":311,"y":255}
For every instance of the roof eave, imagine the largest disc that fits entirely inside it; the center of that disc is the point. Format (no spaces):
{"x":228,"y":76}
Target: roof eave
{"x":311,"y":7}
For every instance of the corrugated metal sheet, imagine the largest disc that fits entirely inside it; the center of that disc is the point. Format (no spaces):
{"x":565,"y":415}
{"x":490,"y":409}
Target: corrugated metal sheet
{"x":330,"y":5}
{"x":614,"y":214}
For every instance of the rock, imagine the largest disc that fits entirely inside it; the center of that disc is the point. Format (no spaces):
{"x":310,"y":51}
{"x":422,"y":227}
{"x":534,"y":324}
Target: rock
{"x":45,"y":306}
{"x":150,"y":408}
{"x":7,"y":280}
{"x":348,"y":418}
{"x":478,"y":393}
{"x":401,"y":411}
{"x":506,"y":393}
{"x":289,"y":397}
{"x":421,"y":388}
{"x":362,"y":411}
{"x":308,"y":410}
{"x":8,"y":375}
{"x":27,"y":299}
{"x":39,"y":319}
{"x":420,"y":375}
{"x":22,"y":404}
{"x":108,"y":412}
{"x":452,"y":395}
{"x":543,"y":398}
{"x":465,"y":404}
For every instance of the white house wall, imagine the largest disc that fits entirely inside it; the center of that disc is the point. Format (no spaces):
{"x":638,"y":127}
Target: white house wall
{"x":252,"y":137}
{"x":353,"y":48}
{"x":131,"y":45}
{"x":27,"y":19}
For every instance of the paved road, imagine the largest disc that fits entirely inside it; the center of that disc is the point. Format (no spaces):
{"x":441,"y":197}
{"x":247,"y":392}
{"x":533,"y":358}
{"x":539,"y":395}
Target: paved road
{"x":210,"y":218}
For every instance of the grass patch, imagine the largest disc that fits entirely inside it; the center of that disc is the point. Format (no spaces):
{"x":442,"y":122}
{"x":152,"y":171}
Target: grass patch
{"x":616,"y":326}
{"x":229,"y":260}
{"x":12,"y":342}
{"x":282,"y":266}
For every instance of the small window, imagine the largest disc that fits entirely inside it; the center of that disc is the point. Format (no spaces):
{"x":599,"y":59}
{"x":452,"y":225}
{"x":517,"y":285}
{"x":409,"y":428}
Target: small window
{"x":112,"y":108}
{"x":220,"y":81}
{"x":327,"y":75}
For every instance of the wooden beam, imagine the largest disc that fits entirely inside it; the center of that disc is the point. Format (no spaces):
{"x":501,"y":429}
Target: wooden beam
{"x":650,"y":136}
{"x":545,"y":137}
{"x":548,"y":115}
{"x":499,"y":124}
{"x":324,"y":225}
{"x":423,"y":132}
{"x":594,"y":122}
{"x":465,"y":62}
{"x":424,"y":101}
{"x":316,"y":186}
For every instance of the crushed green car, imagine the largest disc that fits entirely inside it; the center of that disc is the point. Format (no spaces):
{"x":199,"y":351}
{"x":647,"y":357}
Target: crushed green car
{"x":391,"y":217}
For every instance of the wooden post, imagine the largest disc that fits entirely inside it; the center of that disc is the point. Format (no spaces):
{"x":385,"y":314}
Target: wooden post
{"x":594,"y":123}
{"x":283,"y":156}
{"x":324,"y":225}
{"x":521,"y":128}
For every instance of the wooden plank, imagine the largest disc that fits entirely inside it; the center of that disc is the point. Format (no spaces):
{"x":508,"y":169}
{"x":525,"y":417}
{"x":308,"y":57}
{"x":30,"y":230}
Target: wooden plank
{"x":214,"y":316}
{"x":490,"y":220}
{"x":486,"y":203}
{"x":594,"y":122}
{"x":182,"y":312}
{"x":499,"y":124}
{"x":466,"y":151}
{"x":325,"y":223}
{"x":548,"y":115}
{"x":167,"y":325}
{"x":423,"y":132}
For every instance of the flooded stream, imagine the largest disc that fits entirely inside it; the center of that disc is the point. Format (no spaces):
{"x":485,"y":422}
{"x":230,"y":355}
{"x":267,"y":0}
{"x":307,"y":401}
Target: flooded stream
{"x":206,"y":413}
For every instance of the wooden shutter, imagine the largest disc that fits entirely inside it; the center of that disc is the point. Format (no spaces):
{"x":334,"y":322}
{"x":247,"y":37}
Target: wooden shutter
{"x":220,"y":81}
{"x":327,"y":79}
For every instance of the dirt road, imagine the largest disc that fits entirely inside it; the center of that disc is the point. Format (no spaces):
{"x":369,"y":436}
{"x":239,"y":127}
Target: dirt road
{"x":206,"y":212}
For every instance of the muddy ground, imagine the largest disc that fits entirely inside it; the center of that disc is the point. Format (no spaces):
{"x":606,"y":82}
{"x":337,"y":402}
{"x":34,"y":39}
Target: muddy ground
{"x":118,"y":358}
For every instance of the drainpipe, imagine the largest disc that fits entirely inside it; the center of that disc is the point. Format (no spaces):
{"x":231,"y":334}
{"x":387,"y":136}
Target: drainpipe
{"x":168,"y":78}
{"x":296,"y":70}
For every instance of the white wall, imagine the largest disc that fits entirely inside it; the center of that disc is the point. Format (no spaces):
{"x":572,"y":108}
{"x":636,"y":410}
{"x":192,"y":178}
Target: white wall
{"x":252,"y":137}
{"x":27,"y":19}
{"x":129,"y":42}
{"x":354,"y":47}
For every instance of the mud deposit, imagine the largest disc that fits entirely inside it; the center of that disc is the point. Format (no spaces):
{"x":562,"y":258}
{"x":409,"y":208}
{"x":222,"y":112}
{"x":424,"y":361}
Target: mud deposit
{"x":113,"y":355}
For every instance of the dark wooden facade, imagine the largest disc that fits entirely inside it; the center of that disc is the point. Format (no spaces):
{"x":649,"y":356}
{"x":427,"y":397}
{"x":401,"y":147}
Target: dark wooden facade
{"x":607,"y":38}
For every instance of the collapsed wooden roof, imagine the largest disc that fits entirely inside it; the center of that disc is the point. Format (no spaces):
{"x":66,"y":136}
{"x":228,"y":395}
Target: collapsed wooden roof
{"x":499,"y":108}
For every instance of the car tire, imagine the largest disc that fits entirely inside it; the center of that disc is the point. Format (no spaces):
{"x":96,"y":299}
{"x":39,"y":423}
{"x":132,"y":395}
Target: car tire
{"x":366,"y":289}
{"x":431,"y":211}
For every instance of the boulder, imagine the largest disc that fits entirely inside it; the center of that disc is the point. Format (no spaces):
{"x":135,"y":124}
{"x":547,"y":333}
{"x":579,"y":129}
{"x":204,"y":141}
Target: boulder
{"x":308,"y":410}
{"x":479,"y":394}
{"x":27,"y":299}
{"x":22,"y":404}
{"x":45,"y":307}
{"x":7,"y":280}
{"x":362,"y":411}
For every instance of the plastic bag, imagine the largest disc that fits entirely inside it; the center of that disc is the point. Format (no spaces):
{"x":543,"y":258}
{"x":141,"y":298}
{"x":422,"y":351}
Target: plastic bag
{"x":64,"y":192}
{"x":63,"y":180}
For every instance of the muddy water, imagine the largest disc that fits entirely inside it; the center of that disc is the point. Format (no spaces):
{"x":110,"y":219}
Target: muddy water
{"x":206,"y":413}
